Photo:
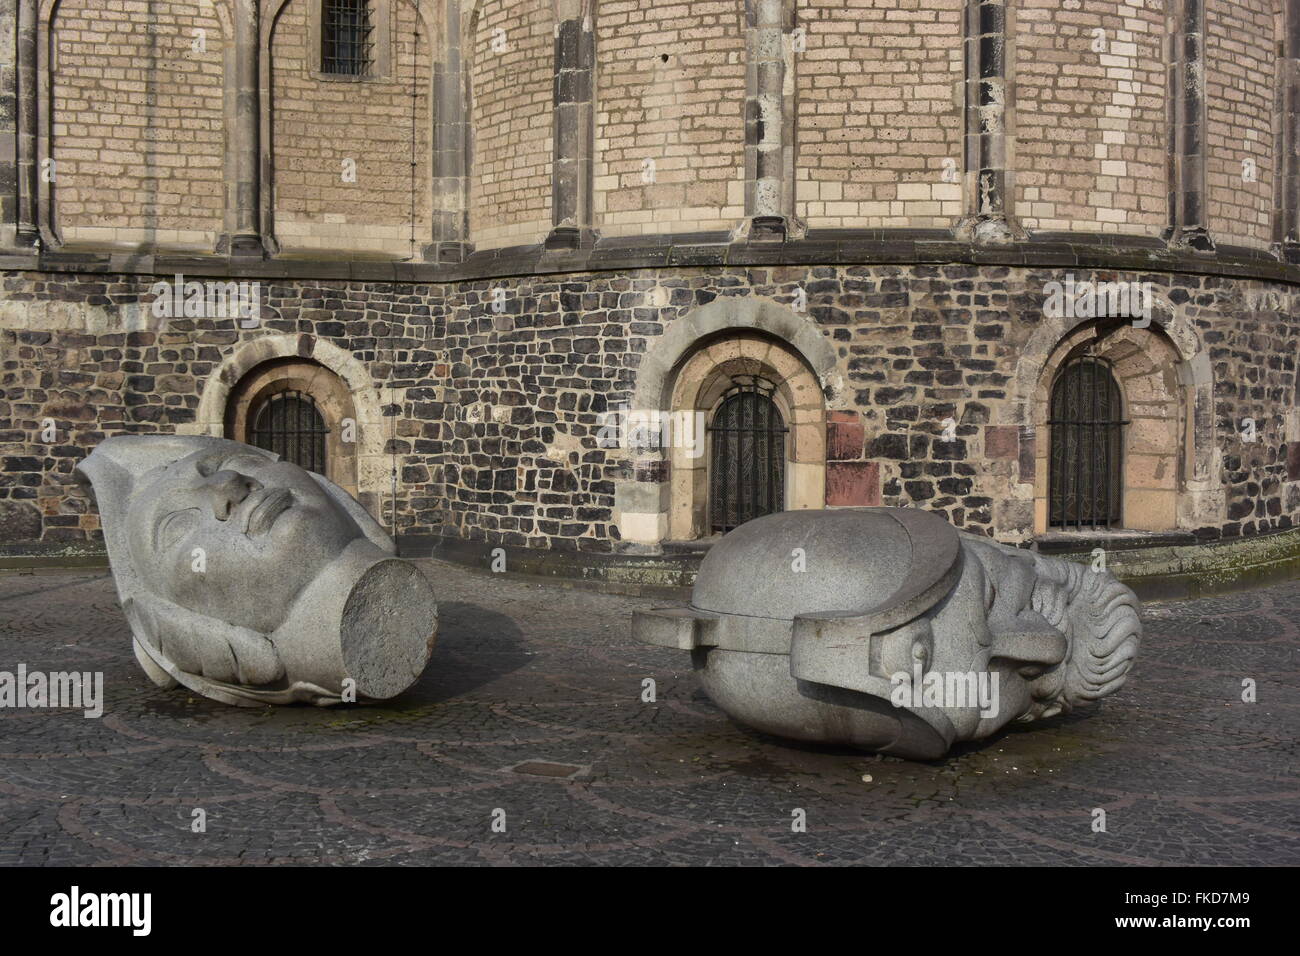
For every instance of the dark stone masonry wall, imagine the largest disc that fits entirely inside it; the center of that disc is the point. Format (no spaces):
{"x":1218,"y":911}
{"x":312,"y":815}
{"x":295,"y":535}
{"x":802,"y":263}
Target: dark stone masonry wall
{"x":493,"y":431}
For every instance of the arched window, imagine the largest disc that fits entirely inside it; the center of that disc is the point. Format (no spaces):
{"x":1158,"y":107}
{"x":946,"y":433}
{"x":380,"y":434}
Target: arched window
{"x":1085,"y":485}
{"x":747,"y":459}
{"x":289,"y":424}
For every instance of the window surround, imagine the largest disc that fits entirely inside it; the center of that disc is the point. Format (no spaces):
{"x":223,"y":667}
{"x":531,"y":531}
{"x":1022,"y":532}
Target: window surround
{"x":333,"y":403}
{"x":700,"y":386}
{"x":1155,"y":462}
{"x":381,"y":66}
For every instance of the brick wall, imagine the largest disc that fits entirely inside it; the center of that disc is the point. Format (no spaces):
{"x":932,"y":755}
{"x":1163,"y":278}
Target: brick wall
{"x":512,"y":50}
{"x":670,"y":91}
{"x":1240,"y":85}
{"x":138,"y":122}
{"x":319,"y":123}
{"x":139,"y":131}
{"x":495,"y":436}
{"x":879,"y":111}
{"x":1090,"y":129}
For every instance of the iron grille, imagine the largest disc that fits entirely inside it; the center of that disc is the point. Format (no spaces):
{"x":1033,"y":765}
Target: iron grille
{"x":346,"y":46}
{"x":289,"y":424}
{"x":1087,"y":435}
{"x":747,"y":466}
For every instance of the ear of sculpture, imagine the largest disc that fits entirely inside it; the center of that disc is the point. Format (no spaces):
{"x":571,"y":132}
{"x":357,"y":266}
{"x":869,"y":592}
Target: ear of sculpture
{"x":181,"y":642}
{"x":371,"y":528}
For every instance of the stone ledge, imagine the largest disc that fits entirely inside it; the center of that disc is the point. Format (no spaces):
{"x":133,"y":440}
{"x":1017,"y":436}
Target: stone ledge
{"x":1184,"y":572}
{"x":820,"y":247}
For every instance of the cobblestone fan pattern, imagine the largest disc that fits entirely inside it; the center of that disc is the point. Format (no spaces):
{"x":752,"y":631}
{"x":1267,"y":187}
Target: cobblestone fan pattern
{"x":527,"y":675}
{"x":492,"y":418}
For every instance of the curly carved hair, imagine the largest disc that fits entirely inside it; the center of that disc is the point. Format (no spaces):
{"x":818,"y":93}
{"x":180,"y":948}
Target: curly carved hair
{"x":1099,"y":618}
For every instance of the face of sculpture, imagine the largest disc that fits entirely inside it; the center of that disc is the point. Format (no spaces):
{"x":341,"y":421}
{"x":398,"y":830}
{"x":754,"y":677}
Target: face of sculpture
{"x":265,"y":529}
{"x":987,"y":625}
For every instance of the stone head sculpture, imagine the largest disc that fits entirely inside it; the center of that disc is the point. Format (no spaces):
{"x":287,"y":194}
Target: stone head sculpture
{"x":251,"y":581}
{"x":887,"y":630}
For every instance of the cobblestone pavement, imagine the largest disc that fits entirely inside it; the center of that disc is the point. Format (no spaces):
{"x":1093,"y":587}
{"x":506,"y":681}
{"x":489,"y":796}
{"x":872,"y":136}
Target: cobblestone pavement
{"x":1186,"y":772}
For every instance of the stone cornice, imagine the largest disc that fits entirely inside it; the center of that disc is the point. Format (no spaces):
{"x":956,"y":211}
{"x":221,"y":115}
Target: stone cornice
{"x":694,"y":250}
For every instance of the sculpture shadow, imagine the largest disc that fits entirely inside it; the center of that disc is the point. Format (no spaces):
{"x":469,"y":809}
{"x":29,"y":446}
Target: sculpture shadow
{"x":475,"y":646}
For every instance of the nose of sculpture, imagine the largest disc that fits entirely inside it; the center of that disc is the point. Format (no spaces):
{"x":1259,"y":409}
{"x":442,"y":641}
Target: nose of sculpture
{"x":227,"y":490}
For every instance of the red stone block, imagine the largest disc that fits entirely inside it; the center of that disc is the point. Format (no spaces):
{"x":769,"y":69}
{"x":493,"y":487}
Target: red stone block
{"x":844,"y":441}
{"x":1001,"y":441}
{"x":853,"y":483}
{"x":845,"y":418}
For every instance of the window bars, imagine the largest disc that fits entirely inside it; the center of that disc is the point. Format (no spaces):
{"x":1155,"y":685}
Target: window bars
{"x":747,"y":463}
{"x":289,"y":424}
{"x":1087,"y":446}
{"x":346,"y":45}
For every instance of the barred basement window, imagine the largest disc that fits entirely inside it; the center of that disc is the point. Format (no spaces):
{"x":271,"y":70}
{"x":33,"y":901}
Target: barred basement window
{"x":747,"y":464}
{"x":1087,"y":435}
{"x":289,"y":424}
{"x":347,"y":48}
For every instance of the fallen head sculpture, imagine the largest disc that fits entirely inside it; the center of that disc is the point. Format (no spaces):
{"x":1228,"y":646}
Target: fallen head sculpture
{"x":888,"y":630}
{"x":252,"y":581}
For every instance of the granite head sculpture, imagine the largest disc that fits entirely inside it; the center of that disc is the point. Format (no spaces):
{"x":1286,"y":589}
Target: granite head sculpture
{"x":251,"y":581}
{"x":887,"y":630}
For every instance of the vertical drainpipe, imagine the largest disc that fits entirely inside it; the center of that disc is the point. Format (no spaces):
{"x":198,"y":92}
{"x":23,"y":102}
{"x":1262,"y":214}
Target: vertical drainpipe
{"x":451,"y":144}
{"x":27,"y":231}
{"x":246,"y":241}
{"x":986,"y":123}
{"x":765,"y":121}
{"x":1286,"y":220}
{"x":1188,"y":208}
{"x":573,"y":130}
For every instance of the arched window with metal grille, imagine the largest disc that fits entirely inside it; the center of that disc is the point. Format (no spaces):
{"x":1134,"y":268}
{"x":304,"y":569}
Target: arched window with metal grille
{"x":1085,"y":482}
{"x":289,"y":424}
{"x":747,"y":455}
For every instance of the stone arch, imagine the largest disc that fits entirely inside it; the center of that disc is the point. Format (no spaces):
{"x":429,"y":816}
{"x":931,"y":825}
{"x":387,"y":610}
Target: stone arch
{"x":184,"y":231}
{"x":327,"y":390}
{"x":510,"y":105}
{"x":1200,"y":497}
{"x":278,"y":229}
{"x":686,"y":371}
{"x":698,"y":389}
{"x":254,"y":367}
{"x":733,"y":314}
{"x":1167,"y":399}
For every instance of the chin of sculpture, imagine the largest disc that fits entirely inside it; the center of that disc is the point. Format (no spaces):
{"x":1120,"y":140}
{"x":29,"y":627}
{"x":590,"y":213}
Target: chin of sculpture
{"x":887,"y":630}
{"x":251,"y":581}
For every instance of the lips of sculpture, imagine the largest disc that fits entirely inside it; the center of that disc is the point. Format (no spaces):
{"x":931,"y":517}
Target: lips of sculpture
{"x":236,"y":535}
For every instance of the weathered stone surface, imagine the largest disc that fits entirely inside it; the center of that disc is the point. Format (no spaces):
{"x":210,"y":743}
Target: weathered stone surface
{"x":432,"y":353}
{"x":19,"y":521}
{"x":888,"y":630}
{"x":251,"y":581}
